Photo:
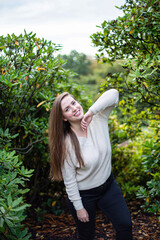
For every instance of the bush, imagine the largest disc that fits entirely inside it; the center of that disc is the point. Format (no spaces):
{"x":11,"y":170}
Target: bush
{"x":136,"y":163}
{"x":151,"y":191}
{"x":134,"y":160}
{"x":13,"y":176}
{"x":126,"y":158}
{"x":127,"y":167}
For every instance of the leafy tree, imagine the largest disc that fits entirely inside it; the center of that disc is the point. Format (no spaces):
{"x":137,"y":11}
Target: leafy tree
{"x":134,"y":37}
{"x":137,"y":32}
{"x":77,"y":62}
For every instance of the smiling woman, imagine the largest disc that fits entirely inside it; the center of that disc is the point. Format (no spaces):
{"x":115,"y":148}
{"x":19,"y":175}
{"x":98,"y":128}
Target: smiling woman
{"x":81,"y":156}
{"x":59,"y":130}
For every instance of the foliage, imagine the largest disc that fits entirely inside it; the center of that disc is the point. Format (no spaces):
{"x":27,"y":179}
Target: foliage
{"x":134,"y":36}
{"x":135,"y":32}
{"x":151,"y":191}
{"x":126,"y":159}
{"x":77,"y":62}
{"x":55,"y":206}
{"x":136,"y":164}
{"x":13,"y":176}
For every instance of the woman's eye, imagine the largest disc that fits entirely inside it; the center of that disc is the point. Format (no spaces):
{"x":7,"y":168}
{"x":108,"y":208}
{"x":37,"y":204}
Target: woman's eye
{"x":66,"y":110}
{"x":74,"y":102}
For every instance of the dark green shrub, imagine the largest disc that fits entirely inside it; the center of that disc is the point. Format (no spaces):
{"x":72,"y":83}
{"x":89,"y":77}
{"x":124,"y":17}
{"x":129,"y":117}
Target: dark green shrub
{"x":13,"y":176}
{"x":150,"y":193}
{"x":77,"y":62}
{"x":127,"y":167}
{"x":136,"y":163}
{"x":91,"y":82}
{"x":126,"y":158}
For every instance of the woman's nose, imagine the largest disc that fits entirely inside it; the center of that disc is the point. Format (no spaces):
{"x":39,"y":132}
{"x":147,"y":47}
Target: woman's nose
{"x":74,"y":108}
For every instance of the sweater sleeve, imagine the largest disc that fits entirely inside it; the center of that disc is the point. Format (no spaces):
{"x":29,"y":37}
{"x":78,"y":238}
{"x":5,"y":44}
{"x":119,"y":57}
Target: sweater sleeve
{"x":106,"y":102}
{"x":69,"y":177}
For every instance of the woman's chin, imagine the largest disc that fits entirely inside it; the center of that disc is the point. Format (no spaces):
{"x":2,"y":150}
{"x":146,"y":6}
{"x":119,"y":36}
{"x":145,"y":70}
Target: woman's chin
{"x":82,"y":115}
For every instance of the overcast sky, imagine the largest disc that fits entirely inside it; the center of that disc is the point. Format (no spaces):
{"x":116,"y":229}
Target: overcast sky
{"x":66,"y":22}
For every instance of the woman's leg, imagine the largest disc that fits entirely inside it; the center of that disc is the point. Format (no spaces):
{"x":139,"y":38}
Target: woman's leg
{"x":85,"y":230}
{"x":114,"y":207}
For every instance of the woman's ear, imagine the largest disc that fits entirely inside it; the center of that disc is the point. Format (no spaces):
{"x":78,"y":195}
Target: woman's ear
{"x":64,"y":119}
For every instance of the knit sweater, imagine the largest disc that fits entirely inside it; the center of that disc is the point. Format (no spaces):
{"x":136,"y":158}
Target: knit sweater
{"x":95,"y":150}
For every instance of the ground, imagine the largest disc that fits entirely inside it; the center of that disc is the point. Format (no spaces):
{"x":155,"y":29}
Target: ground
{"x":51,"y":227}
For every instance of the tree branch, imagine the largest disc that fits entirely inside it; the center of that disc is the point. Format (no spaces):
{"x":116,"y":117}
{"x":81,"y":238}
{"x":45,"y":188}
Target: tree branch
{"x":28,"y":148}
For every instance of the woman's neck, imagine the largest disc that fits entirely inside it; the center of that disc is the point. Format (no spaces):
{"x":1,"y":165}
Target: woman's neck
{"x":78,"y":130}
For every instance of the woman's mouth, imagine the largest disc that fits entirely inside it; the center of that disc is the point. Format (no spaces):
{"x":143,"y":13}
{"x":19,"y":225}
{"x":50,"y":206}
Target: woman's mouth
{"x":77,"y":113}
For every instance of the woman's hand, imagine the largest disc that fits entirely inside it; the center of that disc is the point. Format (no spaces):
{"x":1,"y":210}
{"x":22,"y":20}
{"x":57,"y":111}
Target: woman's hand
{"x":83,"y":215}
{"x":87,"y":118}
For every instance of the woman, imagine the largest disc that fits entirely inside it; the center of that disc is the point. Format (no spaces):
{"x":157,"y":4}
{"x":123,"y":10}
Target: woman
{"x":81,"y":156}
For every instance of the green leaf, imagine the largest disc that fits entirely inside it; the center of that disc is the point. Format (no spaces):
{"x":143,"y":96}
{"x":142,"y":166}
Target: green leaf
{"x":1,"y":221}
{"x":9,"y":200}
{"x":20,"y":208}
{"x":9,"y":223}
{"x":17,"y":202}
{"x":23,"y":233}
{"x":2,"y":210}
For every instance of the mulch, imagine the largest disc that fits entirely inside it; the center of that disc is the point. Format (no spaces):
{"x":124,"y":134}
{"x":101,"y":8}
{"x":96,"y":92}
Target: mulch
{"x":51,"y":227}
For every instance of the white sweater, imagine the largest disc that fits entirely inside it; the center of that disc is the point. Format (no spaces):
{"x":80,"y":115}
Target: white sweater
{"x":95,"y":150}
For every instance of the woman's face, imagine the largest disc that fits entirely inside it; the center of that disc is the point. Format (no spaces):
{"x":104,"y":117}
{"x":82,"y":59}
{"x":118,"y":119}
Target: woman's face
{"x":72,"y":111}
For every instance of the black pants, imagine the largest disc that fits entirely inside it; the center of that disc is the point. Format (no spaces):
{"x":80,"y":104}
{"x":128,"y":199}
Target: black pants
{"x":108,"y":197}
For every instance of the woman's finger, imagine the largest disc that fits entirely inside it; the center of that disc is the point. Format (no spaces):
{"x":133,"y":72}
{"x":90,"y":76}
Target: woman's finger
{"x":84,"y":124}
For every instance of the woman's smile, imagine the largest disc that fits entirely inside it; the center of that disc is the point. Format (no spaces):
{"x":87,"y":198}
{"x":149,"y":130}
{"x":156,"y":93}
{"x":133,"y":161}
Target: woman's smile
{"x":77,"y":113}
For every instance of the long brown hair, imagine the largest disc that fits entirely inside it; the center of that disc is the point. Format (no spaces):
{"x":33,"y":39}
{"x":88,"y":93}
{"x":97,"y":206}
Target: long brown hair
{"x":58,"y":131}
